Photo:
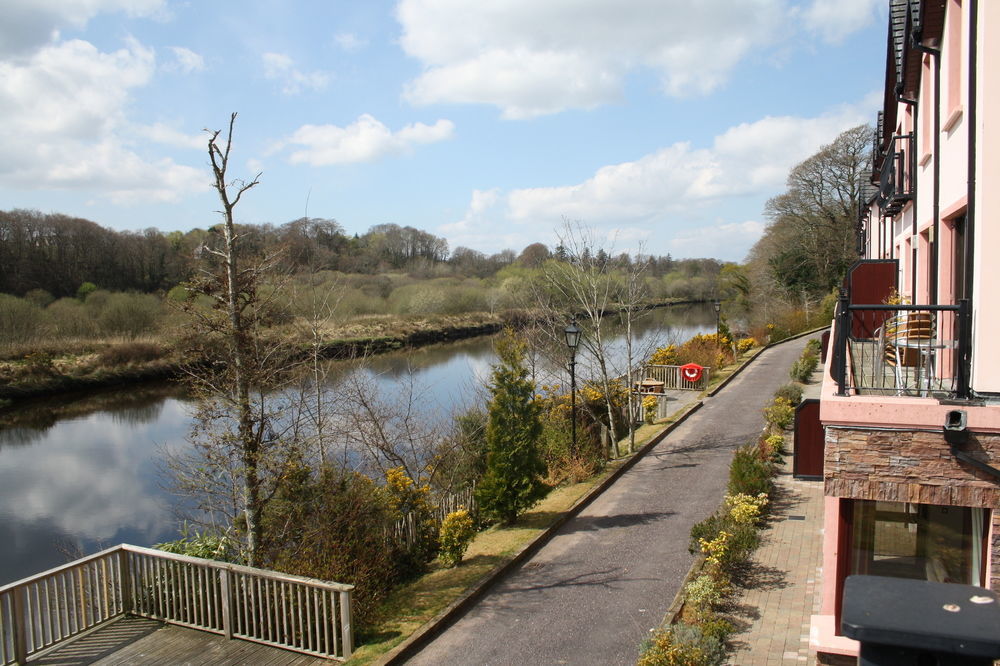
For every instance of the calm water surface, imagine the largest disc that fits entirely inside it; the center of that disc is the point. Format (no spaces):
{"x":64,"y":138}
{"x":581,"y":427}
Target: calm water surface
{"x":85,"y":472}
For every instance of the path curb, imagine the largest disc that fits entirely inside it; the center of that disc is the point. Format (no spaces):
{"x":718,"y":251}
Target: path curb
{"x":430,"y":630}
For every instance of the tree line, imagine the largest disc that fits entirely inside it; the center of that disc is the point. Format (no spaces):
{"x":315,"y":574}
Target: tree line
{"x":57,"y":253}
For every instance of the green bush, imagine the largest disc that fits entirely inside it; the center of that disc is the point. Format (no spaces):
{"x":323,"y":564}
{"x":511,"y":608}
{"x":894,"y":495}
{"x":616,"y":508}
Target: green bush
{"x":19,"y":320}
{"x":743,"y":539}
{"x":790,"y":392}
{"x":683,"y":645}
{"x":704,"y":593}
{"x":69,"y":318}
{"x":779,"y":414}
{"x":202,"y":544}
{"x":749,"y":473}
{"x":85,"y":290}
{"x":457,"y":532}
{"x":128,"y":315}
{"x":39,"y":297}
{"x":332,"y":525}
{"x":802,"y":369}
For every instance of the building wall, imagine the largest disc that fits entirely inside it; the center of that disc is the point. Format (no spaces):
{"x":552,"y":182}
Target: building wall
{"x":914,"y":466}
{"x":986,"y":305}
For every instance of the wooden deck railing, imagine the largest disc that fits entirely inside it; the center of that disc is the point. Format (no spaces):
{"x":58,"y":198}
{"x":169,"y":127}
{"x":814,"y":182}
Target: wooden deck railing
{"x":291,"y":612}
{"x":671,"y":377}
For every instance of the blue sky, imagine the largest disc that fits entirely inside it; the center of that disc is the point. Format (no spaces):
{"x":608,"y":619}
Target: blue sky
{"x":661,"y":124}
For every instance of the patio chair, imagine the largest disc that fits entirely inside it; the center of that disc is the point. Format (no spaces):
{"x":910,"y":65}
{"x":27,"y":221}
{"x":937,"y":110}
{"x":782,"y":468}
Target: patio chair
{"x":908,"y":340}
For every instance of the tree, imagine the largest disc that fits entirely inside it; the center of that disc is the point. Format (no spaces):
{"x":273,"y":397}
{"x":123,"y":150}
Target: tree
{"x":810,"y":242}
{"x":514,"y":468}
{"x":588,"y":286}
{"x":238,"y":436}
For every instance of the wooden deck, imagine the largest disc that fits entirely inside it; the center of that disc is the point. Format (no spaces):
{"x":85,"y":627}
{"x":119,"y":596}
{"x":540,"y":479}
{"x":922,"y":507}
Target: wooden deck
{"x":134,"y":640}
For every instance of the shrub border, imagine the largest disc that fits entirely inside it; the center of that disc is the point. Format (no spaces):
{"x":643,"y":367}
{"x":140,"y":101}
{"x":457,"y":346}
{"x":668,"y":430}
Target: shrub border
{"x":677,"y":605}
{"x":433,"y":627}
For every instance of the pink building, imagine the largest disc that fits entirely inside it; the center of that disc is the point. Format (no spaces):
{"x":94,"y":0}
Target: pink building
{"x":916,"y":341}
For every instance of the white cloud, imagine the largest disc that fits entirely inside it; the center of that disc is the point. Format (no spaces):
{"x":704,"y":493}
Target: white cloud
{"x":532,"y":58}
{"x":170,"y":136}
{"x":665,"y":194}
{"x":748,"y":158}
{"x":64,"y":122}
{"x":364,"y":140}
{"x":349,"y":42}
{"x":281,"y":67}
{"x":834,"y":21}
{"x":26,"y":25}
{"x":185,"y":61}
{"x":477,"y":213}
{"x":719,"y":240}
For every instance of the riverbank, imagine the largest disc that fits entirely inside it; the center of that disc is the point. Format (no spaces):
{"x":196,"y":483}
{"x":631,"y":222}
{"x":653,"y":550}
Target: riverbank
{"x":46,"y":370}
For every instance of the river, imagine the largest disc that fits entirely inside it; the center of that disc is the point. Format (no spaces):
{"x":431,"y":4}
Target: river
{"x":83,"y":472}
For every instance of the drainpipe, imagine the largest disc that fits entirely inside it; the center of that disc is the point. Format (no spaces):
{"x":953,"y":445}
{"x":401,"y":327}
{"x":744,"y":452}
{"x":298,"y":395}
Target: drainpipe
{"x":970,"y":211}
{"x":936,"y":206}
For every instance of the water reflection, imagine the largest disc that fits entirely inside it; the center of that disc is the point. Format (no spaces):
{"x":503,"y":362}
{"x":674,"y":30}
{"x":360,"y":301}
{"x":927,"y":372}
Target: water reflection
{"x":86,"y":482}
{"x":84,"y":472}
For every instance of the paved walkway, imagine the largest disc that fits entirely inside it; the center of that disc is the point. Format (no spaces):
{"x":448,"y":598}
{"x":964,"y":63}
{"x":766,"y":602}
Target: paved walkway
{"x":593,"y":593}
{"x":785,"y":575}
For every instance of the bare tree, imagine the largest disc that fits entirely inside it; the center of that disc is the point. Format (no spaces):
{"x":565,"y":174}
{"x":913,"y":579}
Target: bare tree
{"x":586,"y":285}
{"x":631,"y":297}
{"x":240,"y":433}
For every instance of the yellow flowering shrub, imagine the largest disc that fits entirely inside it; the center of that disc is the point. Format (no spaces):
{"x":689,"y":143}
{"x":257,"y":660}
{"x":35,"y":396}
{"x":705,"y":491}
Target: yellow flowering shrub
{"x":780,"y":413}
{"x":649,"y":405}
{"x":745,"y":509}
{"x":715,"y":550}
{"x":457,"y":532}
{"x":664,"y":356}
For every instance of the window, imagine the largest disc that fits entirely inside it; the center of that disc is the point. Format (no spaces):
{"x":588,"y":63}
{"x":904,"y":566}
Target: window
{"x":923,"y":541}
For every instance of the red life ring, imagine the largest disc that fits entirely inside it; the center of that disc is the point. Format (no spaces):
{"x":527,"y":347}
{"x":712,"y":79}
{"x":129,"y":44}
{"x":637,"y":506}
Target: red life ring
{"x":691,"y":372}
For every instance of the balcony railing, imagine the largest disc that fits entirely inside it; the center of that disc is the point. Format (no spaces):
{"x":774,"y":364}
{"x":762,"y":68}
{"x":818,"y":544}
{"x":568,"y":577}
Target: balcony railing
{"x":896,"y":182}
{"x":902,"y":350}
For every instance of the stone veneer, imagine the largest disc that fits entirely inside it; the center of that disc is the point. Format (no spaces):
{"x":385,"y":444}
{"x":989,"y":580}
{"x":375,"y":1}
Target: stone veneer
{"x":914,"y":466}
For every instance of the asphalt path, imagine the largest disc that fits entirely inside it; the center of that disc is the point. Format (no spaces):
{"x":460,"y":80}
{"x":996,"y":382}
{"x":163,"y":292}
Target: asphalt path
{"x":593,"y":593}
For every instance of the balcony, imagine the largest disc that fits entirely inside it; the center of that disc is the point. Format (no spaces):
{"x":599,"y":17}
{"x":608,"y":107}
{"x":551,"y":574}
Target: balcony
{"x":902,"y":350}
{"x":896,"y":184}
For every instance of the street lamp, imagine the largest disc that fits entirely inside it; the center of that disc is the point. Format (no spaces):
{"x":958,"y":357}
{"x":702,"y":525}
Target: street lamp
{"x":718,"y":320}
{"x":572,"y":341}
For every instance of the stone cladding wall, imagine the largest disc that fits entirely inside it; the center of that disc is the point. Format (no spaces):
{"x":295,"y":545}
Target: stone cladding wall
{"x":914,"y":466}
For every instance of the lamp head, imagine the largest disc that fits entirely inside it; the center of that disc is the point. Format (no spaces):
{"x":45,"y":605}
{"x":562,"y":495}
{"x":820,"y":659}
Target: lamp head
{"x":572,"y":335}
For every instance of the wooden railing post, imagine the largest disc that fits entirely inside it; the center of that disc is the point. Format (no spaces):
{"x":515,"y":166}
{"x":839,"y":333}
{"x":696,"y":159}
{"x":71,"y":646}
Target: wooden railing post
{"x":346,"y":631}
{"x":226,"y":603}
{"x":20,"y":624}
{"x":125,"y":581}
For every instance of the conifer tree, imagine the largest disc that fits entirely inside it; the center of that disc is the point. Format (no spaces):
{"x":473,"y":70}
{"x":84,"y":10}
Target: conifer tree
{"x":512,"y":482}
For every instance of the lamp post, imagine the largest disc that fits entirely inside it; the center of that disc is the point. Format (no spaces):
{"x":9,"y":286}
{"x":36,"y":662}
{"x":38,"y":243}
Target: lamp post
{"x":718,"y":320}
{"x":572,"y":341}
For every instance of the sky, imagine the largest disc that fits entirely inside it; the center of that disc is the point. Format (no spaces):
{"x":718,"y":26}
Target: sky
{"x":661,"y":125}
